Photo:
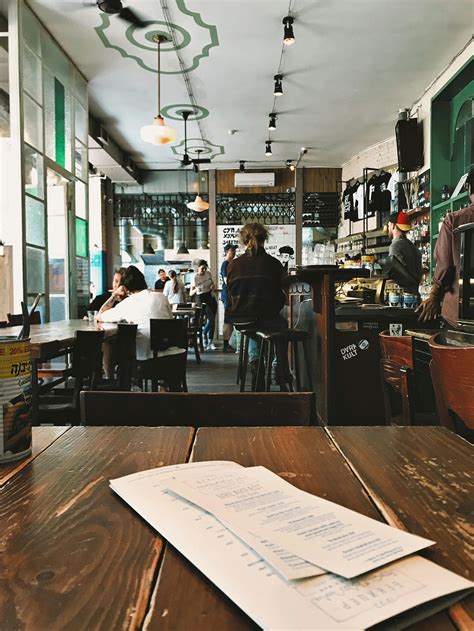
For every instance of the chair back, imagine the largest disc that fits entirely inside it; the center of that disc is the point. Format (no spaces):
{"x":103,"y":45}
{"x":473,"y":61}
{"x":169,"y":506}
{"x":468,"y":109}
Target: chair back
{"x":253,"y":409}
{"x":396,"y":371}
{"x":16,"y":319}
{"x":167,"y":333}
{"x":452,"y":371}
{"x":87,"y":357}
{"x":127,"y":353}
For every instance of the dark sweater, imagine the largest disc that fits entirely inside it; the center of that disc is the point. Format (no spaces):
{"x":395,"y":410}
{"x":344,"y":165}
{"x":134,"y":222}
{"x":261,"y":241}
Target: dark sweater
{"x":255,"y":286}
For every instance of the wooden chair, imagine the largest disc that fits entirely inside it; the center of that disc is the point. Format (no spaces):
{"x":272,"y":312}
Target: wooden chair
{"x":16,"y":319}
{"x":452,"y":371}
{"x":168,"y":369}
{"x":396,"y":370}
{"x":86,"y":369}
{"x":197,"y":409}
{"x":195,"y":333}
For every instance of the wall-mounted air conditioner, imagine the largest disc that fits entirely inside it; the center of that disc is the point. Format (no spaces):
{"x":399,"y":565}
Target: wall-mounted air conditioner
{"x":252,"y":178}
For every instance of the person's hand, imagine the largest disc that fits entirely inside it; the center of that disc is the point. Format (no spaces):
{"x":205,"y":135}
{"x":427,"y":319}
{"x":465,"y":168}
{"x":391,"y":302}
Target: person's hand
{"x":429,"y":309}
{"x":119,"y":293}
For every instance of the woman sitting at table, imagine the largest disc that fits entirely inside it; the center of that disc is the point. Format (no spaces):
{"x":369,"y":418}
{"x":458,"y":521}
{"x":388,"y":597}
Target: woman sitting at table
{"x":174,"y":289}
{"x":141,"y":306}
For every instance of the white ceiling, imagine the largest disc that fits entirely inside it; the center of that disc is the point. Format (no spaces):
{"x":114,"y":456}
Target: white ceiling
{"x":354,"y":64}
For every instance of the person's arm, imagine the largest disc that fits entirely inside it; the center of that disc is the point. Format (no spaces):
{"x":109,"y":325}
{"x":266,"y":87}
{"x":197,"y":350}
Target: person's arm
{"x":116,"y":314}
{"x":192,"y":289}
{"x":116,"y":297}
{"x":431,"y":307}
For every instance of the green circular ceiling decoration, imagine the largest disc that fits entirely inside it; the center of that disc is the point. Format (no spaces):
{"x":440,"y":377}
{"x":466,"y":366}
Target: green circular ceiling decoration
{"x":207,"y":148}
{"x":192,"y":34}
{"x":175,"y":112}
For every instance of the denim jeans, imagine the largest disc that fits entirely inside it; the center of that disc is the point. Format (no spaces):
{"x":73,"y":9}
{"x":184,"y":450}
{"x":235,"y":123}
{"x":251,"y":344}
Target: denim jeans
{"x":211,"y":310}
{"x":275,"y":324}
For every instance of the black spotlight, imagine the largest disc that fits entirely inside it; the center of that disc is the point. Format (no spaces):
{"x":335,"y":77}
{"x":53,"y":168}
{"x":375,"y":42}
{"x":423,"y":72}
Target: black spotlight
{"x":278,"y":89}
{"x":242,"y":166}
{"x":272,"y":125}
{"x":110,"y":6}
{"x":268,"y":148}
{"x":288,"y":35}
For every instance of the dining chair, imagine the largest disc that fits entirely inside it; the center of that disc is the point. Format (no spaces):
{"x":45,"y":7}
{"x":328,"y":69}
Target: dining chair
{"x":170,"y":369}
{"x":16,"y":319}
{"x":396,"y":371}
{"x":86,"y":370}
{"x":251,"y":409}
{"x":195,"y":333}
{"x":452,"y":371}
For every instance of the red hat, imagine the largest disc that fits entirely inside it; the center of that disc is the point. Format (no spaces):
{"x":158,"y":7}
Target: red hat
{"x":401,"y":220}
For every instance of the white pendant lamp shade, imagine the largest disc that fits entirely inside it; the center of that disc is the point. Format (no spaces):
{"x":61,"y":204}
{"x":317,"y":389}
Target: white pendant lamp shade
{"x":158,"y":133}
{"x":198,"y":205}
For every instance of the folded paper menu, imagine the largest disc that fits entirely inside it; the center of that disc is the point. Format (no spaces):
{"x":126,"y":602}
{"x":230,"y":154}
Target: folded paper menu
{"x":324,"y":602}
{"x":335,"y":538}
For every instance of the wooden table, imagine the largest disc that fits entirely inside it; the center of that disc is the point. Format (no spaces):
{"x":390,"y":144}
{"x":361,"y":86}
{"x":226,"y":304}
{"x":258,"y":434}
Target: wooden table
{"x":51,"y":340}
{"x":77,"y":557}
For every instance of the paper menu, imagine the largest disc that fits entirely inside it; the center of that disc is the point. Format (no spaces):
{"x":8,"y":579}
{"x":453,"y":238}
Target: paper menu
{"x":325,"y":602}
{"x":330,"y":536}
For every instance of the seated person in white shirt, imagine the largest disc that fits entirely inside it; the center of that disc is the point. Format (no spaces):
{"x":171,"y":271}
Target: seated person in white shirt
{"x":141,"y":306}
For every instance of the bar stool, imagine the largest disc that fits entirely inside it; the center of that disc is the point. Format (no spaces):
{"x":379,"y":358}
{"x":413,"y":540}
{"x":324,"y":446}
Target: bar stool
{"x":247,"y":330}
{"x":274,"y":341}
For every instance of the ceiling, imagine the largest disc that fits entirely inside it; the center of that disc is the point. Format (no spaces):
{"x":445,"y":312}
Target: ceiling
{"x":354,"y":64}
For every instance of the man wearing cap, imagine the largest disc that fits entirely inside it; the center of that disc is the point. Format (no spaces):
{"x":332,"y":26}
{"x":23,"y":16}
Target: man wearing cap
{"x":405,"y":265}
{"x":229,"y":251}
{"x":445,"y":287}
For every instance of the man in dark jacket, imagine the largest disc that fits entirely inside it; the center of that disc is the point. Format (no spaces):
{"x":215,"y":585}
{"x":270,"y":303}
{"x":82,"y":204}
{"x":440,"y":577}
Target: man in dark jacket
{"x":254,"y":283}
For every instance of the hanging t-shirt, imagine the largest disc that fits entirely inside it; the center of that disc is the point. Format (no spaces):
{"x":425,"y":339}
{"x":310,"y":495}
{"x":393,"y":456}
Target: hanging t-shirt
{"x":372,"y":187}
{"x":379,"y":195}
{"x":348,"y":202}
{"x":392,"y":186}
{"x":359,"y":200}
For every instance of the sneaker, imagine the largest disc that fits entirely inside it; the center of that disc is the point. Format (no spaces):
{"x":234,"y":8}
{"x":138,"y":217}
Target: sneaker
{"x":211,"y":347}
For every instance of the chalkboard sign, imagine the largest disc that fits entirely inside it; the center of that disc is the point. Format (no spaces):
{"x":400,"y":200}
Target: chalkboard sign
{"x":424,"y":190}
{"x":321,"y":209}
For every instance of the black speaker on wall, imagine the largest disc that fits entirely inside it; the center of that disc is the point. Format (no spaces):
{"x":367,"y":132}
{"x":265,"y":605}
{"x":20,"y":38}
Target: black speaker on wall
{"x":409,"y":146}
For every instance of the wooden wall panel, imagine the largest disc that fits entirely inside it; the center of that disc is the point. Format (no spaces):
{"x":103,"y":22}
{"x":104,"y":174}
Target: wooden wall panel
{"x":6,"y":282}
{"x":315,"y":180}
{"x":321,"y":180}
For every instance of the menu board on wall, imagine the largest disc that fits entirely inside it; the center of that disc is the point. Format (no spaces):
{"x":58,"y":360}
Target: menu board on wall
{"x":281,"y":243}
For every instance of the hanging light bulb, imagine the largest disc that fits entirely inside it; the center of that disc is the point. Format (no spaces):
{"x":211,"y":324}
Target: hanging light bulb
{"x":288,"y":35}
{"x":290,"y":165}
{"x":278,"y":89}
{"x":268,"y":148}
{"x":272,"y":122}
{"x":198,"y":205}
{"x":158,"y":133}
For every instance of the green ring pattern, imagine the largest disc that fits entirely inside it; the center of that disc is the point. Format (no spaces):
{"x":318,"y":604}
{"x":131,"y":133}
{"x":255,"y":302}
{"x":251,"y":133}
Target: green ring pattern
{"x":203,"y":144}
{"x":198,"y":112}
{"x":165,"y":48}
{"x":181,"y":6}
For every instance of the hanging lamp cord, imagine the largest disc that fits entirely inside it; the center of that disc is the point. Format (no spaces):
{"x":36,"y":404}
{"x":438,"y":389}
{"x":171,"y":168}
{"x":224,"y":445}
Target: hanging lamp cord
{"x":159,"y":71}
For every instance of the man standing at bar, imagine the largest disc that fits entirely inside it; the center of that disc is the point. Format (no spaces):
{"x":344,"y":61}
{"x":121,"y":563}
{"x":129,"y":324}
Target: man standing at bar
{"x":445,"y":288}
{"x":229,"y":250}
{"x":404,"y":262}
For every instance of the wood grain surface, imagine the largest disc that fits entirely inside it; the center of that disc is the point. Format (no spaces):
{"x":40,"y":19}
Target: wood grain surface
{"x":303,"y":456}
{"x":42,"y":438}
{"x":76,"y":557}
{"x":422,"y":480}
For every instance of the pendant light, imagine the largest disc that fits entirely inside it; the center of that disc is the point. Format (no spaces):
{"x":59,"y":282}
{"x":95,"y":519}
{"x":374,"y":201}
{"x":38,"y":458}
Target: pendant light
{"x":288,"y":35}
{"x":272,"y":122}
{"x":268,"y":148}
{"x":198,"y":205}
{"x":278,"y":88}
{"x":158,"y":133}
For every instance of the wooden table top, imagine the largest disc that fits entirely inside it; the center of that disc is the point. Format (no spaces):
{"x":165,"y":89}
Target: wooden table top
{"x":62,"y":332}
{"x":77,"y":557}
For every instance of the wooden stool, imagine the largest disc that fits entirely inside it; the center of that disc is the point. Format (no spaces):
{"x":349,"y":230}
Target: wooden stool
{"x":272,"y":341}
{"x":246,"y":331}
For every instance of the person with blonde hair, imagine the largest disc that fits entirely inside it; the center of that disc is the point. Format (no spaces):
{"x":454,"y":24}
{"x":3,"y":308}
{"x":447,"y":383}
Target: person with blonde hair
{"x":254,"y":282}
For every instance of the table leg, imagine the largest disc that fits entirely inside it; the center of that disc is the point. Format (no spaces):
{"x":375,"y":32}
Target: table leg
{"x":34,"y":392}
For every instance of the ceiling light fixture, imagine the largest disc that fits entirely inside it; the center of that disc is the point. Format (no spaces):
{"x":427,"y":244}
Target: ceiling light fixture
{"x":198,"y":205}
{"x":272,"y":122}
{"x":278,"y":89}
{"x":290,"y":165}
{"x":268,"y":148}
{"x":242,"y":166}
{"x":288,"y":35}
{"x":182,"y":249}
{"x":158,"y":133}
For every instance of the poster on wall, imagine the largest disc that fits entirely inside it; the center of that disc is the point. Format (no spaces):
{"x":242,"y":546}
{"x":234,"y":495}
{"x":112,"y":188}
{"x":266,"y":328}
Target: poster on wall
{"x":281,"y":243}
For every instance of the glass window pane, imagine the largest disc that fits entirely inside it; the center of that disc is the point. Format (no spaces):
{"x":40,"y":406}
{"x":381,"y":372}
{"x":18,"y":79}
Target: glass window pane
{"x":31,"y":32}
{"x":80,"y":88}
{"x":80,"y":160}
{"x":32,"y":74}
{"x":34,"y":221}
{"x":35,"y":270}
{"x":34,"y":172}
{"x":81,"y":237}
{"x":56,"y":61}
{"x":81,"y":126}
{"x":49,"y":116}
{"x":33,"y":130}
{"x":81,"y":206}
{"x":4,"y":90}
